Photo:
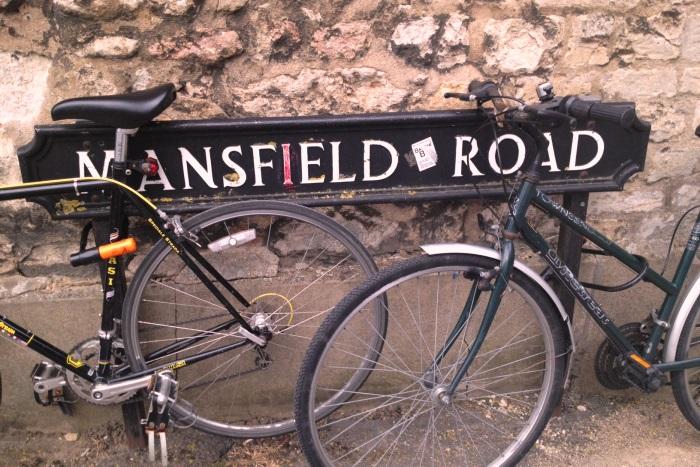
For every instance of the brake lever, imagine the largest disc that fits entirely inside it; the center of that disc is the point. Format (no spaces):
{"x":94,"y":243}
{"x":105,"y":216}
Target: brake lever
{"x":543,"y":116}
{"x":456,"y":95}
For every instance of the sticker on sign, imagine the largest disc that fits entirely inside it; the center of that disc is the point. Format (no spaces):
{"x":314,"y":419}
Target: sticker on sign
{"x":425,"y":154}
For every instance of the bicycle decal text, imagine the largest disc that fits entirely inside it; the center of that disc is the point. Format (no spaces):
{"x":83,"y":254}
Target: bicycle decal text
{"x":694,"y":237}
{"x":5,"y":328}
{"x":575,"y":286}
{"x":177,"y":365}
{"x":564,"y":212}
{"x":163,"y":236}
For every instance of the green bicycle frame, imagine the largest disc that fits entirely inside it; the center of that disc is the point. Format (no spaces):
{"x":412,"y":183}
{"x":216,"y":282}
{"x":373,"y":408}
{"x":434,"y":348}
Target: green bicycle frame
{"x":516,"y":225}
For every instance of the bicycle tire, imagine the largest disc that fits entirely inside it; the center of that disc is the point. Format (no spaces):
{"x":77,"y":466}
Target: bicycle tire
{"x":273,"y":267}
{"x":367,"y":426}
{"x":685,"y":389}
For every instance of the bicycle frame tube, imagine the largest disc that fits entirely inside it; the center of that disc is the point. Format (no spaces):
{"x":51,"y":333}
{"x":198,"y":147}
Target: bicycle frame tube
{"x":28,"y":339}
{"x":113,"y":279}
{"x":670,"y":288}
{"x":527,"y":195}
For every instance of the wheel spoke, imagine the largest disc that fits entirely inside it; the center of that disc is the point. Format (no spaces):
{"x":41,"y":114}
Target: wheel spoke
{"x":403,"y":414}
{"x":297,"y":266}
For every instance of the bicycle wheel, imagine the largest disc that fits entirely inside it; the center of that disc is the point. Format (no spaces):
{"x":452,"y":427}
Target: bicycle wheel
{"x":299,"y":265}
{"x":400,"y":415}
{"x":686,"y":383}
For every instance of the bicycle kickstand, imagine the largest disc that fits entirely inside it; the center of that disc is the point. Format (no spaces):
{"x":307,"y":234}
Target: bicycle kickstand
{"x":161,"y":397}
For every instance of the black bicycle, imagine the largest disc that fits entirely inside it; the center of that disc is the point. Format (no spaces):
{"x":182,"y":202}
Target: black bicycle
{"x":212,"y":328}
{"x":478,"y":348}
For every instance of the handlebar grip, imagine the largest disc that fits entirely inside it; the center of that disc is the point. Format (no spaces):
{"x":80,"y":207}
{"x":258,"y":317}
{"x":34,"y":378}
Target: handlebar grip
{"x":623,"y":115}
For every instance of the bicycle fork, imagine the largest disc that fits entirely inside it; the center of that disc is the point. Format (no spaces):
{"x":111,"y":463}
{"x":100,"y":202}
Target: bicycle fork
{"x":500,"y":276}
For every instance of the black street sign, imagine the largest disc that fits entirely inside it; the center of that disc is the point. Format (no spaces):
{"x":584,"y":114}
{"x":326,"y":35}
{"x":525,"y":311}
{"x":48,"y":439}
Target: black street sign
{"x":393,"y":157}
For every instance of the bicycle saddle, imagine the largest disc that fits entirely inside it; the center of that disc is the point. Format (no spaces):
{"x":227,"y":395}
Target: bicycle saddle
{"x":130,"y":110}
{"x":697,"y":131}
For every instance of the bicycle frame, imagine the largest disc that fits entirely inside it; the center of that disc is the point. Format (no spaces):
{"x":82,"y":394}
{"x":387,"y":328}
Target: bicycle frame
{"x":516,"y":226}
{"x":528,"y":195}
{"x":114,"y":281}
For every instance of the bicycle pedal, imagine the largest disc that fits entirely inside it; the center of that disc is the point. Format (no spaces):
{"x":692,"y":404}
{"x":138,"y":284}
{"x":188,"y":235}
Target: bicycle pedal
{"x":50,"y":386}
{"x":641,"y":374}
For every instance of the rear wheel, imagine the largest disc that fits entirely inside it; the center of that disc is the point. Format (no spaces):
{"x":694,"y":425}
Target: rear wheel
{"x":298,"y":266}
{"x":686,"y":383}
{"x":402,"y":415}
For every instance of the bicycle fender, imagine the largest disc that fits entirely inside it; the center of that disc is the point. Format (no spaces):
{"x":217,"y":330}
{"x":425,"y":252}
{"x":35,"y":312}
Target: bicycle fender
{"x":476,"y":250}
{"x":674,"y":333}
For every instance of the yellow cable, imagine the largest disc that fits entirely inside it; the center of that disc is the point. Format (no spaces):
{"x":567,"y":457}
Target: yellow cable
{"x":73,"y":180}
{"x":289,"y":303}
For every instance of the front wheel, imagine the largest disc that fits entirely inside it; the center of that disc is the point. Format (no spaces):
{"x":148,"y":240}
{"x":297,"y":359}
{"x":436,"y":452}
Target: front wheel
{"x":294,"y":267}
{"x":402,"y":415}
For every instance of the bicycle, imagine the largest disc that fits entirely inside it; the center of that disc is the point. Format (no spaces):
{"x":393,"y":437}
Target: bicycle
{"x":212,"y":327}
{"x":478,"y":348}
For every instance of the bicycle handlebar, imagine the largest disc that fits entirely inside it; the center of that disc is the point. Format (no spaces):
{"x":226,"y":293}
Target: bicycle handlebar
{"x":623,"y":115}
{"x":478,"y":91}
{"x":560,"y":110}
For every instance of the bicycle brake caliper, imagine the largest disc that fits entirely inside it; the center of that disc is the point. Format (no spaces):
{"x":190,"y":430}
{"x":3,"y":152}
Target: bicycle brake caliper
{"x":161,"y":398}
{"x":180,"y":231}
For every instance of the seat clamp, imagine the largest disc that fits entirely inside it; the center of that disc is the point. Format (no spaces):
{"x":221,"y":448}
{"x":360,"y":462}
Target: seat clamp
{"x":121,"y":143}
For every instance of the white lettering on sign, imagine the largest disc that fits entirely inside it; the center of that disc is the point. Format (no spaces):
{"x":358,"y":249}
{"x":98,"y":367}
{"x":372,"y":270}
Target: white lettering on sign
{"x":461,"y":158}
{"x":258,"y":164}
{"x":493,"y":153}
{"x":600,"y":148}
{"x":551,"y":162}
{"x":335,"y":157}
{"x":84,"y":163}
{"x":306,"y":162}
{"x":393,"y":154}
{"x":238,"y":178}
{"x":188,"y":160}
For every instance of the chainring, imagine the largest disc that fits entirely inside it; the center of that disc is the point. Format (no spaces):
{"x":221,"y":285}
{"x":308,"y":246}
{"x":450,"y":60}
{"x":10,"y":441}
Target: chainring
{"x":606,"y":369}
{"x":88,"y":352}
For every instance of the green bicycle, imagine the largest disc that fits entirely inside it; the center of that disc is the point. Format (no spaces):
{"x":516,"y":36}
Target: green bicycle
{"x":478,"y":348}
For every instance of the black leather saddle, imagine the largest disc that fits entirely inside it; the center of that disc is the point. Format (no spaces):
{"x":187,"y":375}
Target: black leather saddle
{"x":697,"y":131}
{"x":130,"y":110}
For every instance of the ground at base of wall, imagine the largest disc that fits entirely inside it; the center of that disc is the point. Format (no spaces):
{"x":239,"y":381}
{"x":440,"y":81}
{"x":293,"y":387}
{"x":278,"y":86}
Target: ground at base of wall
{"x":596,"y":431}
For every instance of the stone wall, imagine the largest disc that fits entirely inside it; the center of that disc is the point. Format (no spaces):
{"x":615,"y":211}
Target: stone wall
{"x":268,"y":58}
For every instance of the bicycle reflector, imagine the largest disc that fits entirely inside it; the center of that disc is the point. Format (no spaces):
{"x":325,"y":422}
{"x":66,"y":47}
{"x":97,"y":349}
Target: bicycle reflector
{"x":103,"y":252}
{"x":149,"y":166}
{"x":238,"y":238}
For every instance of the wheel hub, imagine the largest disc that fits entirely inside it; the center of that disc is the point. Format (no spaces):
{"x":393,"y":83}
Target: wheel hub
{"x":440,"y":396}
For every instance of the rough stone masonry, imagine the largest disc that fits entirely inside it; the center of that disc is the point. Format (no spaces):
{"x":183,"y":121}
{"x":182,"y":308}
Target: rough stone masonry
{"x":235,"y":58}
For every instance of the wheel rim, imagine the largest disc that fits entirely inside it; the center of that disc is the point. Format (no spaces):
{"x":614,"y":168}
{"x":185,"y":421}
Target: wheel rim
{"x":691,"y":377}
{"x":410,"y":418}
{"x":295,"y":298}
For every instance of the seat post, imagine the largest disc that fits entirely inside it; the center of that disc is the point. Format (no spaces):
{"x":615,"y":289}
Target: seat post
{"x":121,"y":143}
